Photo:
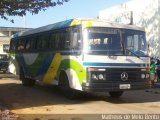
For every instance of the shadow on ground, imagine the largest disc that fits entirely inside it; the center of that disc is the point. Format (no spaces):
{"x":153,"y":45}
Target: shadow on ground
{"x":16,"y":96}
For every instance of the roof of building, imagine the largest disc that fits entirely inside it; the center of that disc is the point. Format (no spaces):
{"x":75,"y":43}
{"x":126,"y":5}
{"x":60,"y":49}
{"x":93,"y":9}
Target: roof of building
{"x":13,"y":28}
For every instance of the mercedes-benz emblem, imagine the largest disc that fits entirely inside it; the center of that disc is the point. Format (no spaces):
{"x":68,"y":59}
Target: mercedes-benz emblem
{"x":124,"y":76}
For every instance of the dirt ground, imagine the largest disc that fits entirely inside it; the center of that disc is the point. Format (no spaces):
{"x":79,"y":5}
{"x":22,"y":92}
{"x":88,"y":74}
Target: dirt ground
{"x":48,"y":103}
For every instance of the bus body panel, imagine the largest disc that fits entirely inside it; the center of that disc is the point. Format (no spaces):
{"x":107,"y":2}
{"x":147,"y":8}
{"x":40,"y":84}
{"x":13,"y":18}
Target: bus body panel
{"x":46,"y":67}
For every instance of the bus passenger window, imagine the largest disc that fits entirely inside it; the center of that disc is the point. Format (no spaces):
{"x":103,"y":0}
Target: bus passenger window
{"x":42,"y":42}
{"x":52,"y":41}
{"x":75,"y":41}
{"x":31,"y":43}
{"x":13,"y":45}
{"x":28,"y":44}
{"x":21,"y":44}
{"x":57,"y":41}
{"x":66,"y":41}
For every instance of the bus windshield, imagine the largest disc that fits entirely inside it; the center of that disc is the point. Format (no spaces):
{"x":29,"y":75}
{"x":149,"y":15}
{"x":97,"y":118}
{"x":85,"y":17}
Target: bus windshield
{"x":134,"y":42}
{"x":114,"y":41}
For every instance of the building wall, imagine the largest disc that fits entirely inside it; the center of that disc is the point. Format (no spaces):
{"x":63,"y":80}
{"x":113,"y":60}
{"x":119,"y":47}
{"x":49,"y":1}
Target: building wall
{"x":159,"y":25}
{"x":5,"y":36}
{"x":5,"y":40}
{"x":146,"y":13}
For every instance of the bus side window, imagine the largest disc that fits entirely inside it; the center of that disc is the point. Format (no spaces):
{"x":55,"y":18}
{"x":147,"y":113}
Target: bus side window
{"x":39,"y":43}
{"x":70,"y":40}
{"x":30,"y":43}
{"x":52,"y":41}
{"x":75,"y":40}
{"x":21,"y":44}
{"x":42,"y":42}
{"x":64,"y":41}
{"x":57,"y":41}
{"x":13,"y":45}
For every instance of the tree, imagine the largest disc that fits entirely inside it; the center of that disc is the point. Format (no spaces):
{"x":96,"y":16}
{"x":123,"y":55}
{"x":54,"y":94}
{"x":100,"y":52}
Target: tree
{"x":21,"y":7}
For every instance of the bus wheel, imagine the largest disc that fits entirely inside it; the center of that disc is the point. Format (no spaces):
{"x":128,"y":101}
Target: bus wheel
{"x":64,"y":85}
{"x":115,"y":94}
{"x":26,"y":81}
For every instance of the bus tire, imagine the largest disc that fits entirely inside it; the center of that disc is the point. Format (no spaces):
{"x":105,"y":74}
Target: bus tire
{"x":25,"y":81}
{"x":115,"y":94}
{"x":64,"y":85}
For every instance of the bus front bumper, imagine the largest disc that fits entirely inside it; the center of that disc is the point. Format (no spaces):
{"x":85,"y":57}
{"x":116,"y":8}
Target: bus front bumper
{"x":105,"y":87}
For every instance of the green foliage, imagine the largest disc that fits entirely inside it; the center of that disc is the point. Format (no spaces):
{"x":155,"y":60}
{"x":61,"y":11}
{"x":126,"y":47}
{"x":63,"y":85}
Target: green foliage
{"x":20,"y":7}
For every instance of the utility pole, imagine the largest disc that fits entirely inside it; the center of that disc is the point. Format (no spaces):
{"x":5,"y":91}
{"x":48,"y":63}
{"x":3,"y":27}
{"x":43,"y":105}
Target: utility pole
{"x":131,"y":18}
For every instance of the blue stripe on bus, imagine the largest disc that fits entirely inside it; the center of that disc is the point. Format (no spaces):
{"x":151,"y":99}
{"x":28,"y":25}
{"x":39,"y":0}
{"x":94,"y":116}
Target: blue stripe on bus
{"x":45,"y":65}
{"x":62,"y":24}
{"x":113,"y":64}
{"x":23,"y":63}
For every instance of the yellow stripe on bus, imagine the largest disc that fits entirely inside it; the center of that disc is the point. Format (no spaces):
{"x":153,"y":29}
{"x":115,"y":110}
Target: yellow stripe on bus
{"x":75,"y":22}
{"x":52,"y":71}
{"x":87,"y":24}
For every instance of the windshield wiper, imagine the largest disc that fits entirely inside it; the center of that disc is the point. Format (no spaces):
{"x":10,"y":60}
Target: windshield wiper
{"x":132,"y":52}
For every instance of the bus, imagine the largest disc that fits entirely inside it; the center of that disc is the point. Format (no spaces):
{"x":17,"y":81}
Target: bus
{"x":89,"y":55}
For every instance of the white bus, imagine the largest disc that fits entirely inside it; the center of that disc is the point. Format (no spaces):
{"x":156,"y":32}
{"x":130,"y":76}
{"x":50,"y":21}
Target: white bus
{"x":88,"y":55}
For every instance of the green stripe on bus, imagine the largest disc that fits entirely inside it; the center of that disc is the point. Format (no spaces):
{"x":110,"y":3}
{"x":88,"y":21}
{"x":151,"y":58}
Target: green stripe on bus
{"x":34,"y":68}
{"x":76,"y":66}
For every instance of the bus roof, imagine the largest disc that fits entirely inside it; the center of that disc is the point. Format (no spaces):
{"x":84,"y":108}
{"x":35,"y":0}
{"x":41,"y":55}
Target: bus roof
{"x":74,"y":22}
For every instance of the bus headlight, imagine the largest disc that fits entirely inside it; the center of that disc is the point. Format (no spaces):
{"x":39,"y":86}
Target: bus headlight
{"x":98,"y":76}
{"x":143,"y":76}
{"x":101,"y":77}
{"x":94,"y":77}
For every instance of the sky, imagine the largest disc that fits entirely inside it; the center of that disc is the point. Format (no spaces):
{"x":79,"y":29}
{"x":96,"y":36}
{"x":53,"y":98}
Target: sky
{"x":69,"y":10}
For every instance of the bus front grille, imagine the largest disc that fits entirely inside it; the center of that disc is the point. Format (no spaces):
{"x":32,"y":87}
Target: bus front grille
{"x":115,"y":75}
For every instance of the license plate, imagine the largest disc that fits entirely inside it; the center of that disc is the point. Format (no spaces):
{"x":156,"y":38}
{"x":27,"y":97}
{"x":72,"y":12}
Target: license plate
{"x":124,"y":86}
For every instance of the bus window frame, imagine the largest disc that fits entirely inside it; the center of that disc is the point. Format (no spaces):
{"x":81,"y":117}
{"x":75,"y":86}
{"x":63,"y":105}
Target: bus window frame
{"x":13,"y":45}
